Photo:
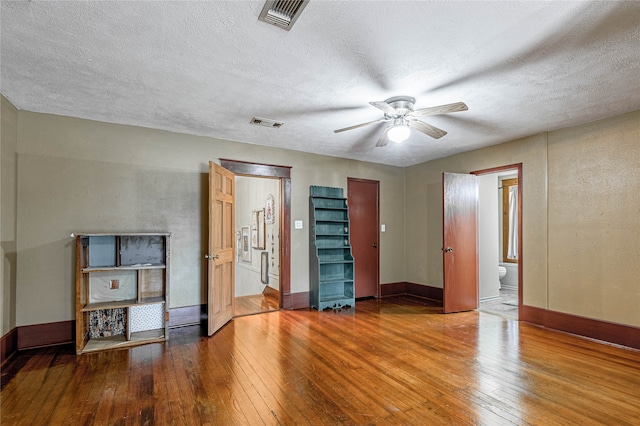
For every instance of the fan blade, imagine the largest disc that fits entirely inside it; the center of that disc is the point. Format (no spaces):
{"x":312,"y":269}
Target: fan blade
{"x":427,"y":129}
{"x":442,"y":109}
{"x":360,"y":125}
{"x":384,"y":140}
{"x":384,"y":107}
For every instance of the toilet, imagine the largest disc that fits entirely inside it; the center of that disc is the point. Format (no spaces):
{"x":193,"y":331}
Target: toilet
{"x":502,"y":271}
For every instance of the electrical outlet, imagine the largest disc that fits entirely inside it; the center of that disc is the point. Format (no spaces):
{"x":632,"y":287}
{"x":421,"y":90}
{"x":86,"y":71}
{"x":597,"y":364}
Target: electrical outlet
{"x":114,"y":284}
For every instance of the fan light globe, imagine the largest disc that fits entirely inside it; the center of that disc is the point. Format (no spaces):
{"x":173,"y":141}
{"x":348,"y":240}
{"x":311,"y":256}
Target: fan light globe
{"x":399,"y":133}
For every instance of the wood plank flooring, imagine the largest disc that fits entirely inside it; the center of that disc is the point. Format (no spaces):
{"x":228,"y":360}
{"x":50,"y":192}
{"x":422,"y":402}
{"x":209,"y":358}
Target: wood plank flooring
{"x":387,"y":362}
{"x":256,"y":303}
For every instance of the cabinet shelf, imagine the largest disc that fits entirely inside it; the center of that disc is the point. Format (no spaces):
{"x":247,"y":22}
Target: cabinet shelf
{"x":121,"y":290}
{"x":122,"y":304}
{"x":121,"y":268}
{"x":331,"y":263}
{"x":137,"y":338}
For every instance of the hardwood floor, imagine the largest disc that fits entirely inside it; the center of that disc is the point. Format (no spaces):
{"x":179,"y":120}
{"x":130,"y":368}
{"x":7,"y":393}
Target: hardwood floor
{"x":391,"y":361}
{"x":257,"y":303}
{"x":506,"y":305}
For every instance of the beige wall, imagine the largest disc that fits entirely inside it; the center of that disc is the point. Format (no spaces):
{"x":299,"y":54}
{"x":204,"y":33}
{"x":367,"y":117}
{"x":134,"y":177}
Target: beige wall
{"x":581,"y":217}
{"x":594,"y":220}
{"x":581,"y":253}
{"x":83,"y":176}
{"x":8,"y":194}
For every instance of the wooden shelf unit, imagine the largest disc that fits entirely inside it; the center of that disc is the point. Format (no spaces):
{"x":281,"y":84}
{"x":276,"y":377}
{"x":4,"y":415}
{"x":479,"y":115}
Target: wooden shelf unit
{"x":122,"y":290}
{"x":331,"y":264}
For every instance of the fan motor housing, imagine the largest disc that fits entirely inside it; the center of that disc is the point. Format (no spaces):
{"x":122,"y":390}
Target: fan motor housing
{"x":402,"y":104}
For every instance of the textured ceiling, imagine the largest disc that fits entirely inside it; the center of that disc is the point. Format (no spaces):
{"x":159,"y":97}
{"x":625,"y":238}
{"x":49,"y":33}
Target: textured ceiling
{"x":207,"y":68}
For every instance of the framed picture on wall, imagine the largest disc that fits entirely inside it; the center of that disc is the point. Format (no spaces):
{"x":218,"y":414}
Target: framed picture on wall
{"x":258,"y":230}
{"x":269,"y":212}
{"x":264,"y":267}
{"x":245,"y":251}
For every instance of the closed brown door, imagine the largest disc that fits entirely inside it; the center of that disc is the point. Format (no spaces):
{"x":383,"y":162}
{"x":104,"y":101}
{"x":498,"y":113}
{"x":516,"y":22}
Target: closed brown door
{"x":220,"y":257}
{"x":460,"y":242}
{"x":362,"y":198}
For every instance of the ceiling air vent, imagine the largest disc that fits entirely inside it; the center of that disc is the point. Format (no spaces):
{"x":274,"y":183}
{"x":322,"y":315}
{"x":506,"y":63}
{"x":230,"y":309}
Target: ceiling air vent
{"x":266,"y":122}
{"x":282,"y":13}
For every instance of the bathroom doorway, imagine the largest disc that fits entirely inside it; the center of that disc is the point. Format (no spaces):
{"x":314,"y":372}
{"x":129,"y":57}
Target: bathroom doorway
{"x":500,"y":240}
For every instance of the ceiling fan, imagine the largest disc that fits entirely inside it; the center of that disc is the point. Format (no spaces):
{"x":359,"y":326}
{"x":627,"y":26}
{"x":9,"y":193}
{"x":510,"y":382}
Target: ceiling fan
{"x":399,"y":109}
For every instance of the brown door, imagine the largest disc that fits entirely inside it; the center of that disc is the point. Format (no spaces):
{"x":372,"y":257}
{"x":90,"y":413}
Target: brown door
{"x":221,"y":247}
{"x":460,"y":242}
{"x":363,"y":196}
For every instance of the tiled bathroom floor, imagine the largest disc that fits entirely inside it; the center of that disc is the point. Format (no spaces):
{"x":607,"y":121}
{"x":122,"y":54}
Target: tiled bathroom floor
{"x":506,"y":306}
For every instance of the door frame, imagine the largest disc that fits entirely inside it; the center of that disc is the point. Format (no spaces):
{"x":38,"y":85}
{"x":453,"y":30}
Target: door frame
{"x":283,"y":173}
{"x":377,"y":183}
{"x":518,"y":168}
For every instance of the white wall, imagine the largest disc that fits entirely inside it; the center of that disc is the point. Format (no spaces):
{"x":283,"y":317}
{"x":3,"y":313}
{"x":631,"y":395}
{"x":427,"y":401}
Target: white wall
{"x":488,"y":233}
{"x":251,"y":194}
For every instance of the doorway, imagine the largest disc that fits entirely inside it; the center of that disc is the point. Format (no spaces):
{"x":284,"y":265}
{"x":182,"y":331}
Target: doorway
{"x":220,"y":285}
{"x":257,"y":231}
{"x":500,"y":240}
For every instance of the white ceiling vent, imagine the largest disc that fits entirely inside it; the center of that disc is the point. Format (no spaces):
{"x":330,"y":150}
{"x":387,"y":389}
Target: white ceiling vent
{"x":282,"y":13}
{"x":266,"y":122}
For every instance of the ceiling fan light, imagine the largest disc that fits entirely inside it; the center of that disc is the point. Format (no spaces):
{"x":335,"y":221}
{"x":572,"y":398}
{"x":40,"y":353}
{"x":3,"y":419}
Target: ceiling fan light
{"x":399,"y":133}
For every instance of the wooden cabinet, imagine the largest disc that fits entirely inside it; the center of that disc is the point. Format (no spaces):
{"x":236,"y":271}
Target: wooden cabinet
{"x":122,"y":288}
{"x":331,"y":265}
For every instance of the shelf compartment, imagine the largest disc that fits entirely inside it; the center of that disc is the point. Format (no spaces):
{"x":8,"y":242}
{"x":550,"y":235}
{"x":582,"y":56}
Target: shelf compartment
{"x":100,"y":251}
{"x":108,"y":323}
{"x":336,"y":271}
{"x":332,"y":242}
{"x":332,"y":215}
{"x":331,"y":228}
{"x":141,"y":250}
{"x":113,"y":286}
{"x":329,"y":203}
{"x":121,"y":304}
{"x":325,"y":192}
{"x":149,"y":336}
{"x":123,"y":268}
{"x":151,"y":283}
{"x":336,"y":295}
{"x":334,"y":255}
{"x":146,"y":317}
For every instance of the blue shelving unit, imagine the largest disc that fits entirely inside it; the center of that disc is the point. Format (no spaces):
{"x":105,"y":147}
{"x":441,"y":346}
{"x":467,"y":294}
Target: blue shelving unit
{"x":331,"y":268}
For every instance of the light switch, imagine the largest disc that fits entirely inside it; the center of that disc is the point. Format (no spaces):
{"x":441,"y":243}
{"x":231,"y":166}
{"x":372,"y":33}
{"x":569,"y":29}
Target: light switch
{"x":382,"y":228}
{"x":298,"y":224}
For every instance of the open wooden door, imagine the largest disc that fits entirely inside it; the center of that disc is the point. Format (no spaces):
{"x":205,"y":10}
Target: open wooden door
{"x":221,"y":247}
{"x":460,"y":242}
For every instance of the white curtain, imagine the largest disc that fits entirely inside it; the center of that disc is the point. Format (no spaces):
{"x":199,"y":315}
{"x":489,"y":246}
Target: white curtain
{"x":512,"y":249}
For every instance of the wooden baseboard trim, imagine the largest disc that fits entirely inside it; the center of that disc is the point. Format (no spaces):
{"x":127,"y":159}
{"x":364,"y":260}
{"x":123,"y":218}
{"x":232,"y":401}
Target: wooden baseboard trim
{"x":295,"y":300}
{"x":393,"y":289}
{"x":187,"y":315}
{"x":48,"y":334}
{"x":619,"y":334}
{"x":271,"y":292}
{"x":8,"y":345}
{"x":411,"y":289}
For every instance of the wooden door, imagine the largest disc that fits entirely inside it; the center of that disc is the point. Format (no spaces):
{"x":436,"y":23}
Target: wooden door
{"x":221,"y":247}
{"x":460,"y":242}
{"x":362,"y":198}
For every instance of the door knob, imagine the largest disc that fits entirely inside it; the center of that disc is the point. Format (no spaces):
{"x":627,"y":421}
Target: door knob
{"x":374,"y":245}
{"x":447,"y":250}
{"x":211,"y":256}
